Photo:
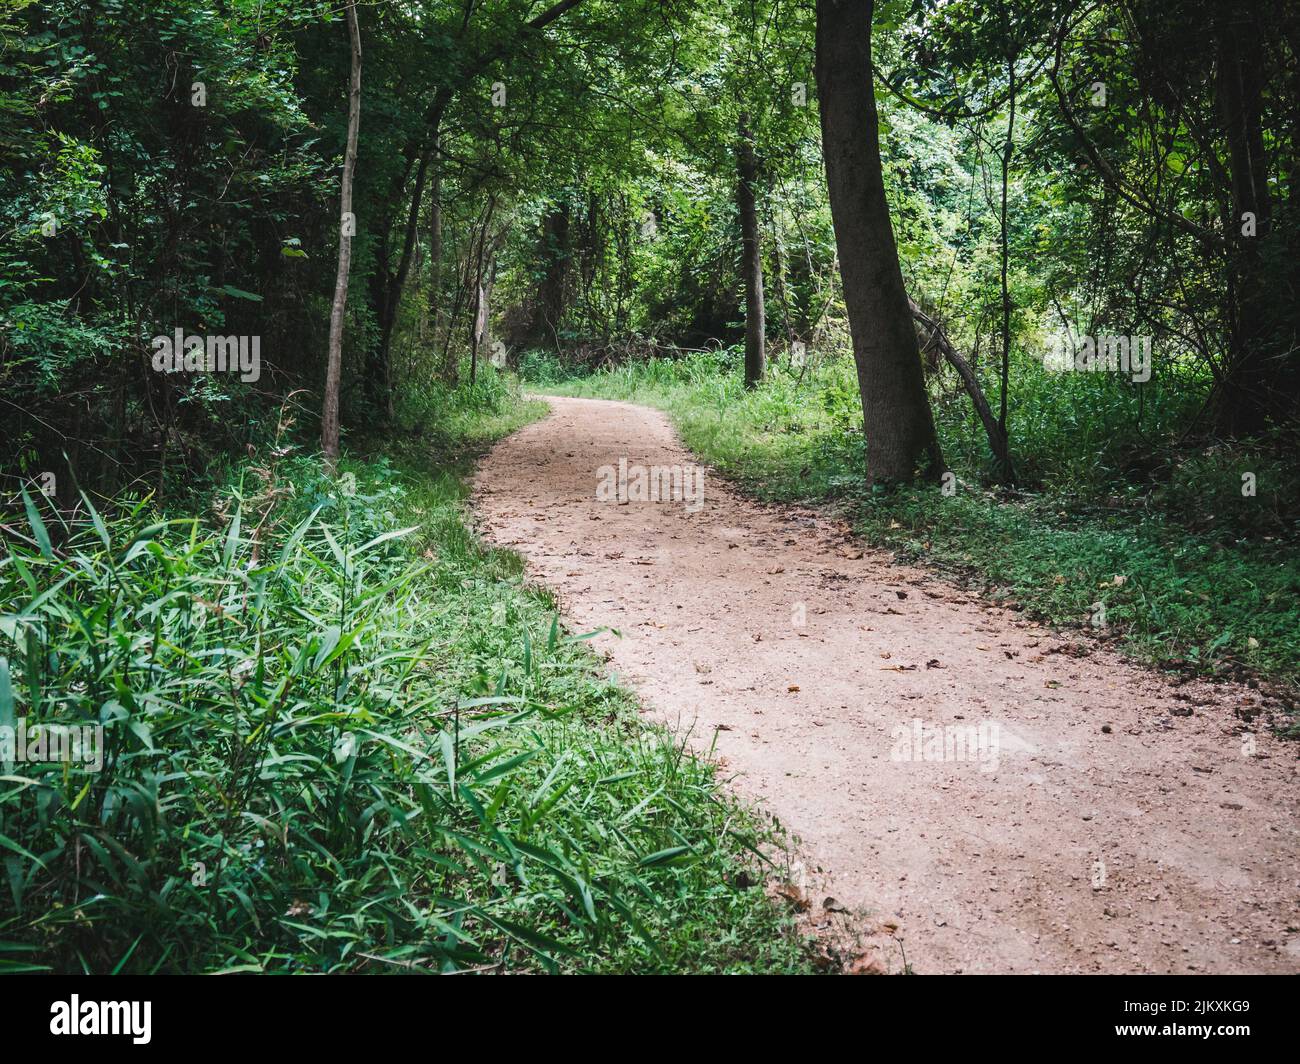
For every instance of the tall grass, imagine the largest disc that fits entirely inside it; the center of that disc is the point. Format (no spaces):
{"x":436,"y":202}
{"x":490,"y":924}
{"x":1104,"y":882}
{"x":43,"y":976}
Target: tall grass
{"x":340,"y":736}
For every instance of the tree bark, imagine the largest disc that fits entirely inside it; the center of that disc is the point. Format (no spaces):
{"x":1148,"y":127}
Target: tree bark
{"x":556,"y":252}
{"x":477,"y":326}
{"x":334,"y":367}
{"x":751,"y":256}
{"x":435,"y":249}
{"x":1248,"y":390}
{"x":394,"y":286}
{"x":899,"y":427}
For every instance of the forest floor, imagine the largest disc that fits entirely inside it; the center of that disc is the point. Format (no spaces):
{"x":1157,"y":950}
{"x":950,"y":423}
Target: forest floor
{"x":1104,"y":817}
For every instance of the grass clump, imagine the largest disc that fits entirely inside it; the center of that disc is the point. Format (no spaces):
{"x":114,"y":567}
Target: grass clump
{"x":340,"y":735}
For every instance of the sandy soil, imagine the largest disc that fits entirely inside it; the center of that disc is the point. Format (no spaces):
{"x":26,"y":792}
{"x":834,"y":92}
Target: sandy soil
{"x":1115,"y":820}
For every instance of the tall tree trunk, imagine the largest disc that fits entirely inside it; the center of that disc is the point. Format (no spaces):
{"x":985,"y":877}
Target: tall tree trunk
{"x":1248,"y":389}
{"x":393,"y":287}
{"x":751,"y":256}
{"x":329,"y":432}
{"x":556,"y":252}
{"x":1004,"y":241}
{"x":896,"y":411}
{"x":477,"y":326}
{"x":435,"y":247}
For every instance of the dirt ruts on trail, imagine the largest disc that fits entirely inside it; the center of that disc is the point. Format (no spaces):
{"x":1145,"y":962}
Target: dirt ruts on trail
{"x":1105,"y":819}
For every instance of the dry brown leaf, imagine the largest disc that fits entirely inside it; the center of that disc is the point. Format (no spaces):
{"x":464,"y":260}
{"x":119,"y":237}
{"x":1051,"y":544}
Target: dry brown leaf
{"x":865,"y":964}
{"x":795,"y":897}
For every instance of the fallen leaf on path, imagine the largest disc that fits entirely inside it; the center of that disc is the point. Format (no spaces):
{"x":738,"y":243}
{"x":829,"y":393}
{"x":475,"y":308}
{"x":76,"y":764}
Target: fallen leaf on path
{"x":796,"y":898}
{"x":865,"y":964}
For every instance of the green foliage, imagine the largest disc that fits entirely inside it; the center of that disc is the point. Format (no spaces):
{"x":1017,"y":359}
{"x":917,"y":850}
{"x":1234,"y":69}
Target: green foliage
{"x":339,"y":735}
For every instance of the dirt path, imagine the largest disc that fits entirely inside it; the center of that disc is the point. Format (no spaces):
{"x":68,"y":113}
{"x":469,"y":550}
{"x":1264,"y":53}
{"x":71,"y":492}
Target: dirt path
{"x":1111,"y":832}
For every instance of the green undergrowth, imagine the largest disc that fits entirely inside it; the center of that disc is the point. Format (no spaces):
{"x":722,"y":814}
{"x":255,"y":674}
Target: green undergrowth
{"x":341,"y":735}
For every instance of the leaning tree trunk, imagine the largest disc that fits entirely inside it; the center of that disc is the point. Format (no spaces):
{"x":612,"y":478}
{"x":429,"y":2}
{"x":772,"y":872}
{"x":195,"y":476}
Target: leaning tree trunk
{"x":937,"y":338}
{"x":751,"y":255}
{"x":896,"y":411}
{"x":329,"y":431}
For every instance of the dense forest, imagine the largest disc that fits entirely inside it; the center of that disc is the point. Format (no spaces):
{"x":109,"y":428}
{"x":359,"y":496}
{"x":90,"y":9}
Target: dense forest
{"x":1009,"y":287}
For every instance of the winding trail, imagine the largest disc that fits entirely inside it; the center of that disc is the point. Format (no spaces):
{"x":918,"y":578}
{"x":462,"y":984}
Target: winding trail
{"x":1123,"y":825}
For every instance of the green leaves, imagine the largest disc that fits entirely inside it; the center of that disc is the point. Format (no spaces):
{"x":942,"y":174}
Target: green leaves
{"x":301,"y":763}
{"x":38,"y":527}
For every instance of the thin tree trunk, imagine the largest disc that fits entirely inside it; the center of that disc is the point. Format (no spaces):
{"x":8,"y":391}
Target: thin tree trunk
{"x":778,"y":260}
{"x":899,"y":427}
{"x":329,"y":435}
{"x":435,"y":247}
{"x":751,"y":255}
{"x":395,"y":284}
{"x":1005,"y":240}
{"x":476,"y":322}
